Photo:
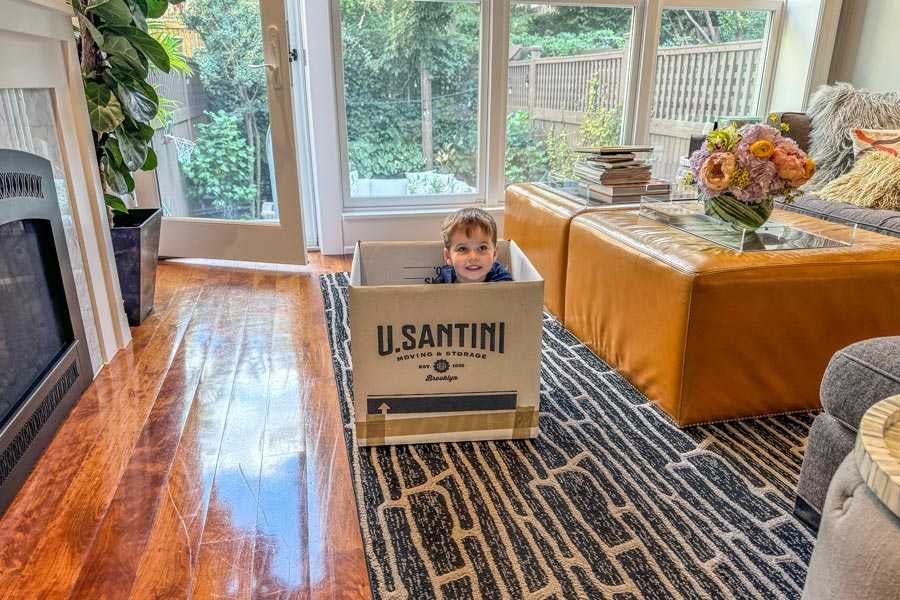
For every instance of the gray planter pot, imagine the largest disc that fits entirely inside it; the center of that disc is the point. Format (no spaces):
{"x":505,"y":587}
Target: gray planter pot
{"x":135,"y":240}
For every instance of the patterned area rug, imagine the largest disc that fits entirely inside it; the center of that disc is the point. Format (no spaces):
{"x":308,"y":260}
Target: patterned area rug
{"x":610,"y":501}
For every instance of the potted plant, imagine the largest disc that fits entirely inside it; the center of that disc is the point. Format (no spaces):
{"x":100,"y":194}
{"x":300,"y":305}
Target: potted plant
{"x":117,"y":53}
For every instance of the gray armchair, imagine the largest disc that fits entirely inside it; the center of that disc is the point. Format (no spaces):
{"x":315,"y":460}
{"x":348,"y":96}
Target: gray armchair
{"x":857,"y":377}
{"x":856,"y":551}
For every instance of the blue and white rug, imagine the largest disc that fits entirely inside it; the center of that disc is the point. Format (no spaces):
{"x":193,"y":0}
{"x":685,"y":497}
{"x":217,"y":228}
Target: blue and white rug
{"x":610,"y":501}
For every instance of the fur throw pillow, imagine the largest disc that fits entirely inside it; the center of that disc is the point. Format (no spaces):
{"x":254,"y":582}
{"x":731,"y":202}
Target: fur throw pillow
{"x":874,"y":182}
{"x":834,"y":111}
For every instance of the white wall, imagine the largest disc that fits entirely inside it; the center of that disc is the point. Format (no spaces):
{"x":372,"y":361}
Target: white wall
{"x":867,"y":49}
{"x":804,"y":52}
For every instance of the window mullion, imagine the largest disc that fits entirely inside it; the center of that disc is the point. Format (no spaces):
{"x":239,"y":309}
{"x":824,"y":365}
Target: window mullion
{"x":645,"y":63}
{"x":495,"y":56}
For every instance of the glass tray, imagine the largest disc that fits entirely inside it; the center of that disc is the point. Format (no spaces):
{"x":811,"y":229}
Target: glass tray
{"x":689,"y":217}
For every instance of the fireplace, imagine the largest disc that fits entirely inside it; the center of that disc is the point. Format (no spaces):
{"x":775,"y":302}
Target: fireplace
{"x":44,"y":361}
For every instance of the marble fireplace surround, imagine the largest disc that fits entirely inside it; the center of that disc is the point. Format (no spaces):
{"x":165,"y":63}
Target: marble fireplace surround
{"x":43,"y":111}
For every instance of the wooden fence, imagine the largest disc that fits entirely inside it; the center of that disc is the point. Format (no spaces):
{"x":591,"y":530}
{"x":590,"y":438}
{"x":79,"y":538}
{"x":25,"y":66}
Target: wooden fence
{"x":190,"y":39}
{"x":548,"y":87}
{"x":693,"y":86}
{"x":190,"y":102}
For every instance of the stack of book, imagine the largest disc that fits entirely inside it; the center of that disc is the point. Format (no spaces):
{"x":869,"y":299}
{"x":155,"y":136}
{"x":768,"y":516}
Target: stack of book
{"x":616,"y":174}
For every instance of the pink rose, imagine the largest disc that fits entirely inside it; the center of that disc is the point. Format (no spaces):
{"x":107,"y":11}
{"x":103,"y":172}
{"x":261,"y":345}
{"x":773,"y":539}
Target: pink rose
{"x":790,"y":166}
{"x":716,"y":172}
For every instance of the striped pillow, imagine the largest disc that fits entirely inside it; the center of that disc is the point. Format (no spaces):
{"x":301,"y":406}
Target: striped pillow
{"x":882,"y":140}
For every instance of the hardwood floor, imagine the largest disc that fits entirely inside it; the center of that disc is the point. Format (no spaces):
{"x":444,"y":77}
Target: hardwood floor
{"x":206,"y":461}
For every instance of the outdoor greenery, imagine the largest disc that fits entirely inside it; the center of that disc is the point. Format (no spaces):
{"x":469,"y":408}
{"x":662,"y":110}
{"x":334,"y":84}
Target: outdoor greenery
{"x":220,"y":168}
{"x":575,"y":29}
{"x":526,"y":153}
{"x":599,"y":127}
{"x":411,"y":80}
{"x":230,"y":65}
{"x":117,"y":53}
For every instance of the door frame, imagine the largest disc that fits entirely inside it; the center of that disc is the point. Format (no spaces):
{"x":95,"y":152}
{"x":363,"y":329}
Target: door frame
{"x":300,"y":74}
{"x":259,"y":241}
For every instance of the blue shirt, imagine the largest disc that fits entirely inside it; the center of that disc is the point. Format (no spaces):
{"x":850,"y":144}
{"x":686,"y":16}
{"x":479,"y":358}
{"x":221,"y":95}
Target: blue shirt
{"x":446,"y":274}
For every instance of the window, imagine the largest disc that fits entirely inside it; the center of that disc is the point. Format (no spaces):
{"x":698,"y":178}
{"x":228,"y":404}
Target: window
{"x":412,"y":99}
{"x":709,"y":68}
{"x":567,"y":83}
{"x":214,"y":140}
{"x":423,"y":124}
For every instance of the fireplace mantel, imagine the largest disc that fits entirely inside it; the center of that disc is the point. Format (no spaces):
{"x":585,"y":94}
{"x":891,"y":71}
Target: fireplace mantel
{"x":40,"y":62}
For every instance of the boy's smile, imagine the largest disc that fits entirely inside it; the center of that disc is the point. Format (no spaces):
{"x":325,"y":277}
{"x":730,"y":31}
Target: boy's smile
{"x":471,"y":254}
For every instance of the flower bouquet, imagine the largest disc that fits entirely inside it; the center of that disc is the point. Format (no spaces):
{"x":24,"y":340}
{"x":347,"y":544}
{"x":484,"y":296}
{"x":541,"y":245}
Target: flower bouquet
{"x":740,"y":171}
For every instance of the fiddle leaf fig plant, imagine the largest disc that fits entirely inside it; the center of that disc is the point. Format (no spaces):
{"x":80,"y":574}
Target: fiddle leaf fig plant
{"x":118,"y":53}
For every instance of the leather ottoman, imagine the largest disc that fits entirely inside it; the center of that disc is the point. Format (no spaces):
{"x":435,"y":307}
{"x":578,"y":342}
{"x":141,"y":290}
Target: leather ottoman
{"x":711,"y":334}
{"x":538,"y":221}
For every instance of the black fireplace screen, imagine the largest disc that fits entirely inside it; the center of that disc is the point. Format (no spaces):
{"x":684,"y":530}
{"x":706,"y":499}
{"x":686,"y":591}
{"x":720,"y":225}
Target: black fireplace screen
{"x":34,"y":323}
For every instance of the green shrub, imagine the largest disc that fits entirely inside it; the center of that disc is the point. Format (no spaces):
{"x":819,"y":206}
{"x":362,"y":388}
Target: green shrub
{"x":384,"y":159}
{"x":567,"y":43}
{"x":219,"y":171}
{"x":601,"y":125}
{"x":560,"y":156}
{"x":526,"y":153}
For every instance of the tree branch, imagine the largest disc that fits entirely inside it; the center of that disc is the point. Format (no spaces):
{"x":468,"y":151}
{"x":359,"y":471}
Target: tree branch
{"x":713,"y":32}
{"x":697,"y":25}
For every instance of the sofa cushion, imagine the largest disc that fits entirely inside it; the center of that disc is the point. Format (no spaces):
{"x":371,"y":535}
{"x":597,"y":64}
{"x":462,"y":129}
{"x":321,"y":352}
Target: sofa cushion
{"x":834,"y":111}
{"x":798,"y":128}
{"x":860,"y":375}
{"x":886,"y":222}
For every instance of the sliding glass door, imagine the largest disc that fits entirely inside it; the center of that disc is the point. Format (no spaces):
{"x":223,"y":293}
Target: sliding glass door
{"x":443,"y":102}
{"x":411,"y":81}
{"x":567,"y":84}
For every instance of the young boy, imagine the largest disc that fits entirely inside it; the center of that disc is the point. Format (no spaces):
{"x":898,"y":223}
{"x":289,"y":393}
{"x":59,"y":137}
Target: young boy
{"x":470,"y":249}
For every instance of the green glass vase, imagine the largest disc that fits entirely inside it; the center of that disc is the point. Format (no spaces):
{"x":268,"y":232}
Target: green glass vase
{"x":738,"y":214}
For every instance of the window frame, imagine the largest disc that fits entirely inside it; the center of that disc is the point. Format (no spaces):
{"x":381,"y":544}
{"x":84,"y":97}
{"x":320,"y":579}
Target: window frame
{"x":493,"y":82}
{"x":410,"y":201}
{"x":647,"y":54}
{"x":497,"y":185}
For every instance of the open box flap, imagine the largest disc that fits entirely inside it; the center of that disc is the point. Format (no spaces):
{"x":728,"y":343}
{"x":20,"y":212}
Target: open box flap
{"x":356,"y":274}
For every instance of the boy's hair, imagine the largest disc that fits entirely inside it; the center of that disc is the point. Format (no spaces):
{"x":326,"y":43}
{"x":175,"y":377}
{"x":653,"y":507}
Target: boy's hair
{"x":467,"y":219}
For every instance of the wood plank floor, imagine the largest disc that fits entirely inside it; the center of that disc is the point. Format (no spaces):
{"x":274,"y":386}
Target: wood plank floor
{"x":207,"y":460}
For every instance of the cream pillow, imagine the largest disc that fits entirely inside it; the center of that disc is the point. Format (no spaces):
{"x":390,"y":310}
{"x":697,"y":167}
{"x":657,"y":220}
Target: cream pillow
{"x":882,"y":140}
{"x":874,"y":182}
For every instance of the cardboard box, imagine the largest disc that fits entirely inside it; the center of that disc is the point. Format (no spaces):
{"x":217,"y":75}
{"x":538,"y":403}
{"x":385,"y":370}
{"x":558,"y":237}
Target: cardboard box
{"x":442,"y":362}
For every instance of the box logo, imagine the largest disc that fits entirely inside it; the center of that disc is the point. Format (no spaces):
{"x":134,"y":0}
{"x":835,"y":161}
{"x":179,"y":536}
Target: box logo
{"x":489,"y":337}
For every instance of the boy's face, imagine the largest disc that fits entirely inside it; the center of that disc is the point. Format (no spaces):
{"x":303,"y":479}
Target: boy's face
{"x":471,"y":254}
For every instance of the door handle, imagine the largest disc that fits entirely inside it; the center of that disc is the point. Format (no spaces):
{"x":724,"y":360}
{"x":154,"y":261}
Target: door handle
{"x":273,"y":38}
